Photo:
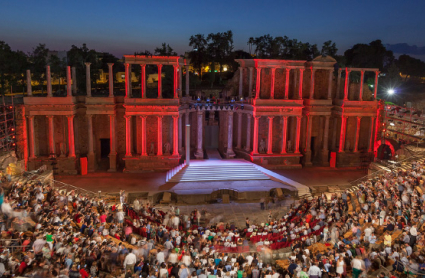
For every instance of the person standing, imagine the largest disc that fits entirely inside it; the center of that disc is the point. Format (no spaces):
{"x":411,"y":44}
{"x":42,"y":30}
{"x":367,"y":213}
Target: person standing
{"x":130,"y":261}
{"x":357,"y":267}
{"x":340,"y":266}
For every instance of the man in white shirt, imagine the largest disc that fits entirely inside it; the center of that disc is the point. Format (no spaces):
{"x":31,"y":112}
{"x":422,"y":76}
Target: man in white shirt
{"x":314,"y":271}
{"x":357,"y":267}
{"x":367,"y":233}
{"x":130,"y":261}
{"x":413,"y":235}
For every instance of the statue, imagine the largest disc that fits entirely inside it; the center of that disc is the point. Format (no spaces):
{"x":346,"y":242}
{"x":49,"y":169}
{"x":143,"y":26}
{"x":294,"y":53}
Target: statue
{"x":347,"y":146}
{"x":262,"y":146}
{"x":62,"y":149}
{"x":289,"y":147}
{"x":167,"y":148}
{"x":152,"y":149}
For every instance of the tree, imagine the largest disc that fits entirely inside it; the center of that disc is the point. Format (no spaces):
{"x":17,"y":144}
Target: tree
{"x":198,"y":56}
{"x":329,"y":49}
{"x":38,"y":59}
{"x":165,"y":50}
{"x":77,"y":57}
{"x":411,"y":67}
{"x":12,"y":68}
{"x":220,"y":47}
{"x":372,"y":55}
{"x":57,"y":68}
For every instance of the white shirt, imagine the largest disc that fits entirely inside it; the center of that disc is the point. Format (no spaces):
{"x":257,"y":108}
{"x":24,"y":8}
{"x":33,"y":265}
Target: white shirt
{"x":413,"y":231}
{"x":130,"y":259}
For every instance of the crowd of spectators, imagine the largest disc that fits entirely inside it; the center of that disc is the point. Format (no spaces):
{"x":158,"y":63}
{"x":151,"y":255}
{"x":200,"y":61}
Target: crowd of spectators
{"x":51,"y":233}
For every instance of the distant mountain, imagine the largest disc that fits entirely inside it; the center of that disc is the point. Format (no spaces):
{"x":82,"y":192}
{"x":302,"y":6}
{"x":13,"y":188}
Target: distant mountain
{"x":404,"y":48}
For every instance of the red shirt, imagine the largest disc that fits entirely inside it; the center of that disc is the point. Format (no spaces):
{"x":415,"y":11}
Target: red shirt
{"x":84,"y":273}
{"x":102,"y":218}
{"x":22,"y":267}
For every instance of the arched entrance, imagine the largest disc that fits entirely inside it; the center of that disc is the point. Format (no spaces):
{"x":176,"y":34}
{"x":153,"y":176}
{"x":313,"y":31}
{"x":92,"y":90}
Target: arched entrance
{"x":384,"y":149}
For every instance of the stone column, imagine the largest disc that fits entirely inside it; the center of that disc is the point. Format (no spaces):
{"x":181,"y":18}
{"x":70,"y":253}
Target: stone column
{"x":287,"y":72}
{"x":229,"y":152}
{"x":180,"y":134}
{"x":159,"y":153}
{"x":331,"y":73}
{"x":159,"y":81}
{"x":130,"y":86}
{"x":284,"y":134}
{"x":49,"y":82}
{"x":199,"y":148}
{"x":180,"y":82}
{"x":347,"y":83}
{"x":74,"y":80}
{"x":372,"y":124}
{"x":144,"y":141}
{"x":128,"y":147}
{"x":356,"y":142}
{"x":175,"y":82}
{"x":52,"y":149}
{"x":342,"y":134}
{"x":270,"y":136}
{"x":258,"y":84}
{"x":88,"y":80}
{"x":300,"y":86}
{"x":273,"y":78}
{"x":187,"y":80}
{"x":338,"y":84}
{"x":248,"y":133}
{"x":31,"y":137}
{"x":255,"y":140}
{"x":240,"y":82}
{"x":113,"y":149}
{"x":313,"y":71}
{"x":297,"y":141}
{"x":239,"y":138}
{"x":361,"y":85}
{"x":307,"y":153}
{"x":326,"y":134}
{"x":90,"y":155}
{"x":68,"y":82}
{"x":111,"y":80}
{"x":29,"y":86}
{"x":376,"y":84}
{"x":250,"y":82}
{"x":335,"y":126}
{"x":143,"y":80}
{"x":71,"y":143}
{"x":176,"y":135}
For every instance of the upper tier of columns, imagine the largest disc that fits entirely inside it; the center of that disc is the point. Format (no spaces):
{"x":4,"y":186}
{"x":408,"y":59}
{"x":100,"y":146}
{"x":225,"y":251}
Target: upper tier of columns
{"x":361,"y":81}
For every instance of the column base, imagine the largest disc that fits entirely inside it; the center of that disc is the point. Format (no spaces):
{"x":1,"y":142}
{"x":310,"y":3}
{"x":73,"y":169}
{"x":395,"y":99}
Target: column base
{"x":230,"y":154}
{"x":199,"y":154}
{"x":306,"y":160}
{"x":112,"y":163}
{"x":91,"y":162}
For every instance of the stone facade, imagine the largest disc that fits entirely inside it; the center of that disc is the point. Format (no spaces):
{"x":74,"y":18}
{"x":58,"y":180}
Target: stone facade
{"x":284,"y":114}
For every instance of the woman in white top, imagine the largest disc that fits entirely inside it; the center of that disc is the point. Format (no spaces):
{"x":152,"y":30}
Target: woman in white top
{"x":340,"y":266}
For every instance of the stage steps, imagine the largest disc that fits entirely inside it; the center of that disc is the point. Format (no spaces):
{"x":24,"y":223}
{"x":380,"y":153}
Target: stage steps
{"x":236,"y":171}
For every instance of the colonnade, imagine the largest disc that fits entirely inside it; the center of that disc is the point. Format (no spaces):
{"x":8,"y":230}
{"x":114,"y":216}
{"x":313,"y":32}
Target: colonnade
{"x":347,"y":82}
{"x":144,"y":152}
{"x":343,"y":131}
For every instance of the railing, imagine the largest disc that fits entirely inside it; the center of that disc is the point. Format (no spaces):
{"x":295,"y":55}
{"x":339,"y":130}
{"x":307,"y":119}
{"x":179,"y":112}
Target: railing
{"x":171,"y":173}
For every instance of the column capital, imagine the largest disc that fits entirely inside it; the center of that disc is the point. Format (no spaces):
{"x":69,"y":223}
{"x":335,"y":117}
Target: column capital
{"x":327,"y":116}
{"x":175,"y":117}
{"x":273,"y":69}
{"x":270,"y":117}
{"x":200,"y":112}
{"x":110,"y":64}
{"x":359,"y":117}
{"x":30,"y":117}
{"x":127,"y":117}
{"x":143,"y":65}
{"x":159,"y":66}
{"x":143,"y":116}
{"x":160,"y":116}
{"x":287,"y":69}
{"x":89,"y":116}
{"x":347,"y":70}
{"x":87,"y":64}
{"x":70,"y":116}
{"x":256,"y":117}
{"x":126,"y":65}
{"x":50,"y":116}
{"x":285,"y":117}
{"x":301,"y":69}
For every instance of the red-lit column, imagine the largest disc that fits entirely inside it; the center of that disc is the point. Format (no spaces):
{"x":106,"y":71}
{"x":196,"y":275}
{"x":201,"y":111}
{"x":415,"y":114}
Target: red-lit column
{"x":90,"y":133}
{"x":159,"y":153}
{"x":270,"y":136}
{"x":284,"y":134}
{"x":127,"y":91}
{"x":160,"y":82}
{"x":372,"y":123}
{"x":356,"y":143}
{"x":49,"y":81}
{"x":331,"y":73}
{"x":180,"y":81}
{"x":326,"y":134}
{"x":111,"y":80}
{"x":361,"y":85}
{"x":248,"y":133}
{"x":88,"y":80}
{"x":143,"y":80}
{"x":250,"y":81}
{"x":199,"y":148}
{"x":300,"y":85}
{"x":239,"y":138}
{"x":255,"y":138}
{"x":240,"y":82}
{"x":313,"y":72}
{"x":308,"y":137}
{"x":128,"y":136}
{"x":31,"y":137}
{"x":338,"y":84}
{"x":52,"y":149}
{"x":68,"y":82}
{"x":74,"y":80}
{"x":175,"y":135}
{"x":273,"y":77}
{"x":71,"y":144}
{"x":347,"y":83}
{"x":112,"y":142}
{"x":287,"y":72}
{"x":180,"y":134}
{"x":297,"y":141}
{"x":342,"y":134}
{"x":144,"y":143}
{"x":376,"y":84}
{"x":29,"y":86}
{"x":258,"y":84}
{"x":187,"y":80}
{"x":175,"y":83}
{"x":230,"y":153}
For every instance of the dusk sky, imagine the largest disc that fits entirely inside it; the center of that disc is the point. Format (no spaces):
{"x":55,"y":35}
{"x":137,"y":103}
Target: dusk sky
{"x":123,"y":27}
